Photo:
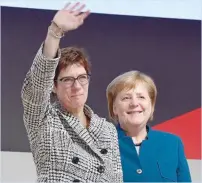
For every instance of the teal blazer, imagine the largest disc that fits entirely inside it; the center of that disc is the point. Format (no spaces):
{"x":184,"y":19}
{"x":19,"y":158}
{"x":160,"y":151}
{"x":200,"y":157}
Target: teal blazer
{"x":161,"y":158}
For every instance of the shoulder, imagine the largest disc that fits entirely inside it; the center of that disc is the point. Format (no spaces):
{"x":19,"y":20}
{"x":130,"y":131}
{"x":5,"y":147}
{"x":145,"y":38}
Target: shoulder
{"x":105,"y":123}
{"x":108,"y":125}
{"x":164,"y":135}
{"x":166,"y":140}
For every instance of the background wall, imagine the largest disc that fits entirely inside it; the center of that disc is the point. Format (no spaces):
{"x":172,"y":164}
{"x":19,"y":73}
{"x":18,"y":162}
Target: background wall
{"x":167,"y":48}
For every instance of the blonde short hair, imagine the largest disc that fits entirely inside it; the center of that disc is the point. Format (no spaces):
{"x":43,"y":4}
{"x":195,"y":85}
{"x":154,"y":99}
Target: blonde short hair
{"x":127,"y":81}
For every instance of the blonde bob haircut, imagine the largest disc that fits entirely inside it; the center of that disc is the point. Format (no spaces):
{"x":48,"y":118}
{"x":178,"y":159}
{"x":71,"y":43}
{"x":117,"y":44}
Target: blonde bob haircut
{"x":128,"y":81}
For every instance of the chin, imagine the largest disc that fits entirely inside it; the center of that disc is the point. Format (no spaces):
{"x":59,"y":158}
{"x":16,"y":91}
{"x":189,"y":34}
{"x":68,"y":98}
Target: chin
{"x":136,"y":123}
{"x":78,"y":104}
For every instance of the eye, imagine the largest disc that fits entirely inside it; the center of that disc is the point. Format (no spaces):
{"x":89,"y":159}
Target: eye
{"x":83,"y":78}
{"x":67,"y":79}
{"x":142,"y":97}
{"x":126,"y":98}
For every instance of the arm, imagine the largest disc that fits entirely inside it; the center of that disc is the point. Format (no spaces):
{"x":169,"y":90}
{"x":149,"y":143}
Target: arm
{"x":38,"y":83}
{"x":183,"y":172}
{"x":36,"y":89}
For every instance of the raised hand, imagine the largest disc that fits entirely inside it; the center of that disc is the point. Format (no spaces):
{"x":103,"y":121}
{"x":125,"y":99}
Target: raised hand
{"x":71,"y":16}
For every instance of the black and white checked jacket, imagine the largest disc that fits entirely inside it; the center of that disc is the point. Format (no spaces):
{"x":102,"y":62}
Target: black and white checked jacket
{"x":63,"y":150}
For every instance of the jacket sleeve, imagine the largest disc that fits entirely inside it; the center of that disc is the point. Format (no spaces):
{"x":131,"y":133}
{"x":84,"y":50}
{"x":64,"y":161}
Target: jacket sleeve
{"x":116,"y":156}
{"x":183,"y":172}
{"x":37,"y":88}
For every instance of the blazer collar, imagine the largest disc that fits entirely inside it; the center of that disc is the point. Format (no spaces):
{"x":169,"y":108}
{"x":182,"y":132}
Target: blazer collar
{"x":92,"y":135}
{"x":122,"y":133}
{"x":94,"y":129}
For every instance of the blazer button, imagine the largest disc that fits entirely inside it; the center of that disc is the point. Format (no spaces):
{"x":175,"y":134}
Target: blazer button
{"x":101,"y":169}
{"x":76,"y":180}
{"x":139,"y":171}
{"x":75,"y":160}
{"x":103,"y":151}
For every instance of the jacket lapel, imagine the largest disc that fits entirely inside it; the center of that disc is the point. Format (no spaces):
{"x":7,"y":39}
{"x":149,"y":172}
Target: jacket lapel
{"x":90,"y":136}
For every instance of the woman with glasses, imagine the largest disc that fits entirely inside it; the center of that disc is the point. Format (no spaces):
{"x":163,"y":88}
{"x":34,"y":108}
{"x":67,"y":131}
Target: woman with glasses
{"x":69,"y":142}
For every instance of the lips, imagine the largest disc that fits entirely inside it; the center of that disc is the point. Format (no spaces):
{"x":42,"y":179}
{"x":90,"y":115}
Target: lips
{"x":134,"y":112}
{"x":76,"y":95}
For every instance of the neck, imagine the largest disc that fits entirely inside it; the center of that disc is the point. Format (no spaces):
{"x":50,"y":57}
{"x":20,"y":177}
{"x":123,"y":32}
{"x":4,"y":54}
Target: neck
{"x":138,"y":133}
{"x":79,"y":113}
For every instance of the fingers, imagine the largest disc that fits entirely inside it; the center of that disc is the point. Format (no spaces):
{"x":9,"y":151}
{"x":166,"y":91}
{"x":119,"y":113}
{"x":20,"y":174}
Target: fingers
{"x":75,"y":9}
{"x":84,"y":15}
{"x":77,"y":12}
{"x":70,"y":9}
{"x":66,"y":6}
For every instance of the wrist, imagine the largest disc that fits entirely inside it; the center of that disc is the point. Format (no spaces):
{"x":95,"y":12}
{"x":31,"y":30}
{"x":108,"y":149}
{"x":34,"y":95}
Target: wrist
{"x":55,"y":31}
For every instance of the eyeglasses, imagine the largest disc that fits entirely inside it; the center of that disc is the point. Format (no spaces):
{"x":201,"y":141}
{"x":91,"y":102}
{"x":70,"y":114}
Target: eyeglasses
{"x":69,"y":81}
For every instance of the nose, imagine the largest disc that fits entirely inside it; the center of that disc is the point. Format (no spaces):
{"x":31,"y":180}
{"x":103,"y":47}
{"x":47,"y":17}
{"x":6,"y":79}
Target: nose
{"x":76,"y":84}
{"x":133,"y":102}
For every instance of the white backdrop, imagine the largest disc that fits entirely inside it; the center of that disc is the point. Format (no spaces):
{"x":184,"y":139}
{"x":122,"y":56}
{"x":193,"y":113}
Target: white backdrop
{"x":183,"y":9}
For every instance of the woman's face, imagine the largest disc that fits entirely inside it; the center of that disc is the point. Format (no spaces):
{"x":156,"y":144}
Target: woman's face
{"x":133,"y":107}
{"x":72,"y":96}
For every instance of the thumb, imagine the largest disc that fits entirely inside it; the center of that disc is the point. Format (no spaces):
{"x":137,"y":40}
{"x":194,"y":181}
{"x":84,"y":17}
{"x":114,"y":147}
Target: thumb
{"x":81,"y":21}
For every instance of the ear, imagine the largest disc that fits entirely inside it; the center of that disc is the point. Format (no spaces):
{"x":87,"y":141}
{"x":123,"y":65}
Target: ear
{"x":152,"y":113}
{"x":54,"y":89}
{"x":114,"y":109}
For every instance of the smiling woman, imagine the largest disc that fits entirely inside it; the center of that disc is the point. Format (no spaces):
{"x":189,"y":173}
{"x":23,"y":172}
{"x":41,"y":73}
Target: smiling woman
{"x":155,"y":156}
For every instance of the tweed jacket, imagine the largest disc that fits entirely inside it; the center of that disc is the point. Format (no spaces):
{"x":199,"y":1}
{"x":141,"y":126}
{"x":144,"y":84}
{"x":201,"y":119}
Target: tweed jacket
{"x":63,"y":150}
